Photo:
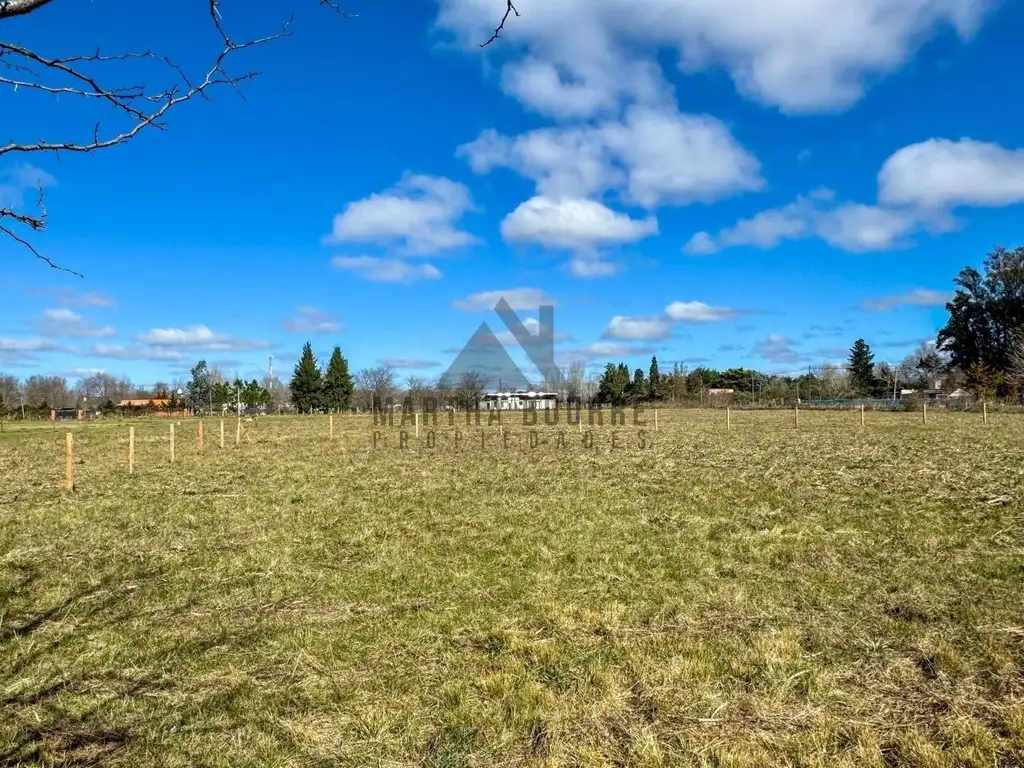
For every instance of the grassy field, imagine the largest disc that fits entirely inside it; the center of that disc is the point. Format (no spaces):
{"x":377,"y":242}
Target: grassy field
{"x":768,"y":595}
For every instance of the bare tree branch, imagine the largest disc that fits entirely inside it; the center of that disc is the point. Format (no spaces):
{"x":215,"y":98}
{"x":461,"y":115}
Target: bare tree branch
{"x":127,"y":99}
{"x":34,"y":223}
{"x":89,"y":80}
{"x":509,"y":8}
{"x":88,"y":77}
{"x":19,"y":7}
{"x":338,"y":9}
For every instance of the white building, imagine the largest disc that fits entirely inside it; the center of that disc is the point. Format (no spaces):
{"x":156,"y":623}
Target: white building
{"x":519,"y":400}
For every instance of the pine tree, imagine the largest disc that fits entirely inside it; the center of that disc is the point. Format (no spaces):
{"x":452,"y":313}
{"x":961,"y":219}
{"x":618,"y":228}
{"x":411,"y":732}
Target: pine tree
{"x":861,"y":367}
{"x":654,"y":377}
{"x":636,"y":390}
{"x":199,"y":388}
{"x":337,"y":386}
{"x":307,"y":382}
{"x":605,"y":389}
{"x":620,"y":383}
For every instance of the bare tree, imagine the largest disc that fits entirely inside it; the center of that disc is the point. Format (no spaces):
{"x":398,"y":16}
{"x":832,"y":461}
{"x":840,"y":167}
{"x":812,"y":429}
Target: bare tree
{"x":51,"y":391}
{"x":445,"y":389}
{"x":374,"y":386}
{"x":470,"y":388}
{"x":834,"y":382}
{"x":590,"y":387}
{"x":97,"y":79}
{"x":100,"y":387}
{"x":10,"y":393}
{"x":575,"y":379}
{"x":416,"y":389}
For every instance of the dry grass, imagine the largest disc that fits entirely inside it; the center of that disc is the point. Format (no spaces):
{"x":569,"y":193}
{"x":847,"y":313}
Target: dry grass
{"x":764,"y":596}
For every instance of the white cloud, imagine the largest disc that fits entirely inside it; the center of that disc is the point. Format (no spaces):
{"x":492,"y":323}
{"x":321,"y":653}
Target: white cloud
{"x":851,"y":227}
{"x":19,"y":180}
{"x":197,"y":337}
{"x":919,"y":297}
{"x":573,"y":224}
{"x":542,"y":86}
{"x":532,"y":326}
{"x":940,"y":173}
{"x":120,"y":352}
{"x":698,"y":312}
{"x":25,"y":351}
{"x":675,"y":158}
{"x":654,"y":156}
{"x":638,"y":328}
{"x":28,"y":345}
{"x":82,"y":373}
{"x":656,"y":327}
{"x":590,"y":266}
{"x":67,"y":324}
{"x":919,"y":187}
{"x":860,"y":228}
{"x":419,"y":215}
{"x":312,"y":320}
{"x":603,"y":351}
{"x":701,"y":244}
{"x":578,"y":58}
{"x":779,"y":349}
{"x":386,"y":270}
{"x":517,"y":298}
{"x":68,"y":297}
{"x":405,"y":362}
{"x":765,"y":230}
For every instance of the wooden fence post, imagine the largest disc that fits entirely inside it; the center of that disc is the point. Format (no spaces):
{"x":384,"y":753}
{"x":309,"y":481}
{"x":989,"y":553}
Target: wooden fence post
{"x":984,"y":411}
{"x":924,"y":412}
{"x":131,"y":450}
{"x":172,"y":443}
{"x":796,"y":416}
{"x":69,"y":463}
{"x":222,"y":434}
{"x":728,"y":417}
{"x":238,"y":432}
{"x":655,"y":419}
{"x":862,"y":414}
{"x":200,"y":436}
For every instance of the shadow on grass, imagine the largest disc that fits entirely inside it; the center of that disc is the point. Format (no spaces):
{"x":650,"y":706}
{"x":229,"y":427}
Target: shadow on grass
{"x":56,"y":712}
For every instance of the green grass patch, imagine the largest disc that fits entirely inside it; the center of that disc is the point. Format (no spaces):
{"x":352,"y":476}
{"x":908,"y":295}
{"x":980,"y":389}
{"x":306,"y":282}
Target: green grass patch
{"x":768,"y":595}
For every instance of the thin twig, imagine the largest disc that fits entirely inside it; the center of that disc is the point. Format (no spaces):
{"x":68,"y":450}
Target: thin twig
{"x":498,"y":29}
{"x":338,"y":9}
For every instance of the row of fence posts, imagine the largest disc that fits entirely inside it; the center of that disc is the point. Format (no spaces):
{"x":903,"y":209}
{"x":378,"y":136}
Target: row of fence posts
{"x":69,"y":468}
{"x":70,"y":444}
{"x":796,"y":415}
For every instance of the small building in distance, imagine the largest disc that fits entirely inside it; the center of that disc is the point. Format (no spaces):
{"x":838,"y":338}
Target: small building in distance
{"x":519,"y":400}
{"x":66,"y":414}
{"x":157,"y":406}
{"x":145,"y":402}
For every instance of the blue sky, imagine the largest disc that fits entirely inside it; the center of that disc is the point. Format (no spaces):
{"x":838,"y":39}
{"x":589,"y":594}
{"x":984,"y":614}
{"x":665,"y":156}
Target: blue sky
{"x":742,"y":183}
